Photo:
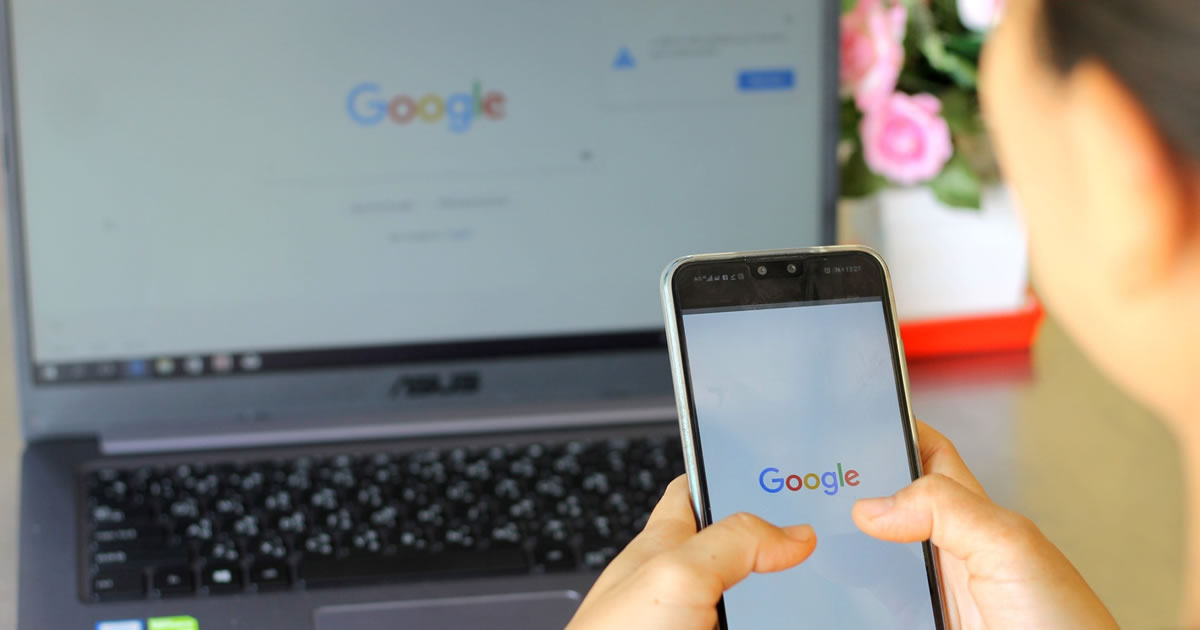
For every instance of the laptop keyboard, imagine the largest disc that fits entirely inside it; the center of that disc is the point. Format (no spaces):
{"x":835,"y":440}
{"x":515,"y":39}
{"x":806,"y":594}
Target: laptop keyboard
{"x":315,"y":522}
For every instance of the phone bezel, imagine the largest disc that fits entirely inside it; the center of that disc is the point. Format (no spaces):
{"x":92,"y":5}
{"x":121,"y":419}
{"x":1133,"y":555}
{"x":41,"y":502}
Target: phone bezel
{"x":736,"y":293}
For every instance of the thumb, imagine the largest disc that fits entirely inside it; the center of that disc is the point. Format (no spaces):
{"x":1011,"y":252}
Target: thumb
{"x":944,"y":512}
{"x":1013,"y":568}
{"x":697,"y":572}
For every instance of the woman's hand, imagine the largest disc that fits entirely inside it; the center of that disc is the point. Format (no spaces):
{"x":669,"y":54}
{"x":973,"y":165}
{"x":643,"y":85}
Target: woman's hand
{"x":998,"y":570}
{"x":672,"y":577}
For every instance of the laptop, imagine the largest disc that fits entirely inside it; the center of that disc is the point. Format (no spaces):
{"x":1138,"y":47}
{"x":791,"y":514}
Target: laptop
{"x":345,"y":314}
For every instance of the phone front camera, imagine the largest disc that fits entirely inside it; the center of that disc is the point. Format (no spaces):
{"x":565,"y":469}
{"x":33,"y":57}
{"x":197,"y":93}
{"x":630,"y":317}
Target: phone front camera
{"x":762,"y":270}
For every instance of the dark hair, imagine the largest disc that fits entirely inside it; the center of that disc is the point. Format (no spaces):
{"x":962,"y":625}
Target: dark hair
{"x":1153,"y":46}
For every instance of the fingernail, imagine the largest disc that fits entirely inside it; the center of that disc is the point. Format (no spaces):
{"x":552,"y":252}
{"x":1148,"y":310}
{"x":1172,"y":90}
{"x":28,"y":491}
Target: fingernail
{"x":799,"y":533}
{"x":874,"y":508}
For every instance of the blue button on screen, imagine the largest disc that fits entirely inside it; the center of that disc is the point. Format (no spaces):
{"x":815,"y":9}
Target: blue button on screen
{"x":766,"y":80}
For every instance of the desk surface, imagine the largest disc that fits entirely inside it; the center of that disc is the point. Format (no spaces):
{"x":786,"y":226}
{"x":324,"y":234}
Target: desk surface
{"x":1047,"y":437}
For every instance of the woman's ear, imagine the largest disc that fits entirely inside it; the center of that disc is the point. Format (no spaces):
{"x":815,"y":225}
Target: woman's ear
{"x":1138,"y":200}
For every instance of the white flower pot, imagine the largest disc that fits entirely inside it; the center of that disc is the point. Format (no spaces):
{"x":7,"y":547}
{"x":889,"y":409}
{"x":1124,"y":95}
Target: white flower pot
{"x":945,"y":262}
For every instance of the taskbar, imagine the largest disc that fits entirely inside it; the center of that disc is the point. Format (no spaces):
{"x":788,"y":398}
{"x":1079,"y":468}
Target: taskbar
{"x":145,"y":369}
{"x":224,"y":364}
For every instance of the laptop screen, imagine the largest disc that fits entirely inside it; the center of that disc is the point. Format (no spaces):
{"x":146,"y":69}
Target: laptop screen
{"x":212,"y":189}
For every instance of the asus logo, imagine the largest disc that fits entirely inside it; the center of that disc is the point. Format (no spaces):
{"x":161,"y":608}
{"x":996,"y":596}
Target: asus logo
{"x":719,"y":277}
{"x":418,"y":385}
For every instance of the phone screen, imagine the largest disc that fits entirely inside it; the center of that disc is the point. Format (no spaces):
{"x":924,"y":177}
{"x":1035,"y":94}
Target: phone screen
{"x":798,"y":413}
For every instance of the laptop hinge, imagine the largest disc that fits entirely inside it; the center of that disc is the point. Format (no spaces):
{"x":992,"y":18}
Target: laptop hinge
{"x":360,"y":430}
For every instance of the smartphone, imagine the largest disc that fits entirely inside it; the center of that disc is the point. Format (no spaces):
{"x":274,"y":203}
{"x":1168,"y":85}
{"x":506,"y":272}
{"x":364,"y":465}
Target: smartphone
{"x":793,"y":402}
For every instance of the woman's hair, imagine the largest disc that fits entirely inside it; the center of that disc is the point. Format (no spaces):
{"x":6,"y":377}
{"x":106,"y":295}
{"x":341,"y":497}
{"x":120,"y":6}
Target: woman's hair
{"x":1153,"y":46}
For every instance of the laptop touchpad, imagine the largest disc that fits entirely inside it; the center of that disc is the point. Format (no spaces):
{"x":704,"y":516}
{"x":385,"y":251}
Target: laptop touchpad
{"x":510,"y":611}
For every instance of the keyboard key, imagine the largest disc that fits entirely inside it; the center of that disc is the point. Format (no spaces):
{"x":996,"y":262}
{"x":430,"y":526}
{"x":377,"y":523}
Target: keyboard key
{"x":269,"y":576}
{"x":110,"y":514}
{"x":322,"y":572}
{"x":140,"y":556}
{"x":222,"y":578}
{"x":271,"y":546}
{"x":124,"y":585}
{"x":368,"y":541}
{"x":554,"y":556}
{"x":144,"y":535}
{"x":319,"y":543}
{"x":600,"y":557}
{"x":221,"y":550}
{"x":174,"y":581}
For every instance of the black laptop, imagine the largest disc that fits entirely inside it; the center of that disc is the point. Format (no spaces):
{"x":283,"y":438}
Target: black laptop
{"x":344,"y":315}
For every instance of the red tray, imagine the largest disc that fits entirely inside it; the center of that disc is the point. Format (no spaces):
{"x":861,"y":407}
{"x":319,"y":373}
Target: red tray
{"x":998,"y":332}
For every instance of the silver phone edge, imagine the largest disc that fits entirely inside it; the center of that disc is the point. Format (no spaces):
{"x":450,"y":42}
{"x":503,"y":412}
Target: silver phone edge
{"x":679,"y":381}
{"x":679,"y":385}
{"x":912,"y":421}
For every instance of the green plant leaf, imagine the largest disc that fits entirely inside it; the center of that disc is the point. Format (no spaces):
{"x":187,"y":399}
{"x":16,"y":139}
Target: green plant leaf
{"x":945,"y":16}
{"x":957,"y":67}
{"x":849,"y":118}
{"x":848,"y":5}
{"x":958,"y":185}
{"x":967,"y":45}
{"x":857,"y":178}
{"x":924,"y":35}
{"x":960,"y":108}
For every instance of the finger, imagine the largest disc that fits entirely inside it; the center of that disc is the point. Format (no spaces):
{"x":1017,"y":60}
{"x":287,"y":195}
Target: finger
{"x":938,"y":455}
{"x":943,"y":511}
{"x":671,"y":522}
{"x":673,"y":515}
{"x":999,"y":549}
{"x":698,"y":571}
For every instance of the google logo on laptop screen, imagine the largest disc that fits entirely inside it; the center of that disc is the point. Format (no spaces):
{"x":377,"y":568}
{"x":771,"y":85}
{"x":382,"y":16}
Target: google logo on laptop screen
{"x":368,"y":106}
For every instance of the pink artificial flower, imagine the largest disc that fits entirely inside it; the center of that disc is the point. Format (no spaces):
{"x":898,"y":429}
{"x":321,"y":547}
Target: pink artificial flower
{"x":906,"y":139}
{"x":980,"y":15}
{"x":872,"y":50}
